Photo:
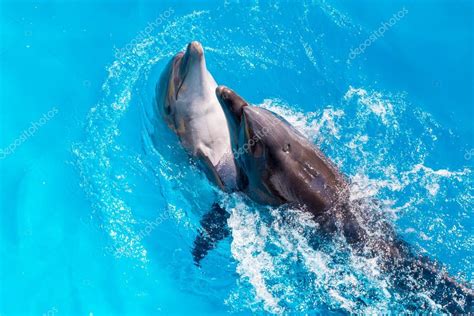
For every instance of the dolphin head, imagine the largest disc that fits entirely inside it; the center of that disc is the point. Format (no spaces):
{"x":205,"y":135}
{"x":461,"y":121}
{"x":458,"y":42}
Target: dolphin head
{"x":233,"y":106}
{"x":251,"y":131}
{"x":279,"y":163}
{"x":185,"y":79}
{"x":251,"y":126}
{"x":188,"y":68}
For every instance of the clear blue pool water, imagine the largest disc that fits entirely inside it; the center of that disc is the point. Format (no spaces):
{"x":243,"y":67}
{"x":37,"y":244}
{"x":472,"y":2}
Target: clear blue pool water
{"x":98,"y":218}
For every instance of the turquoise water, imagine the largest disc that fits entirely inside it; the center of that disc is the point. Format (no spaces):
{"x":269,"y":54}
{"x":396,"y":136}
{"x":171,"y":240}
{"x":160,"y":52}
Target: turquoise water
{"x":100,"y":204}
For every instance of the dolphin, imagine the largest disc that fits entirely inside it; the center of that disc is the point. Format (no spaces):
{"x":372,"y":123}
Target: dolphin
{"x":186,"y":100}
{"x":280,"y":166}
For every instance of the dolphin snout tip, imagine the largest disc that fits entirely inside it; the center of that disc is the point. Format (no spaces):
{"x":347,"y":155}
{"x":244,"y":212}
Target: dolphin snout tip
{"x":195,"y":48}
{"x":231,"y":101}
{"x":221,"y":91}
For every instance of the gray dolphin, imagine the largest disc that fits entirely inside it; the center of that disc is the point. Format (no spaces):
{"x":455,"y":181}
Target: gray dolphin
{"x":281,"y":166}
{"x":186,"y":99}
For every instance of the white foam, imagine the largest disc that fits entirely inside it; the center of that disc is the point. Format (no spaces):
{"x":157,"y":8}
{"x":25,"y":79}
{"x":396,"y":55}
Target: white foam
{"x":375,"y":103}
{"x":248,"y":248}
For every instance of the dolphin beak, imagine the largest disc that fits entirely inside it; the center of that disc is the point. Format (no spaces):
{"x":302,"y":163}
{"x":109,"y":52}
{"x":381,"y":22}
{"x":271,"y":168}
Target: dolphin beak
{"x":195,"y":50}
{"x":221,"y":92}
{"x":184,"y":61}
{"x":231,"y":102}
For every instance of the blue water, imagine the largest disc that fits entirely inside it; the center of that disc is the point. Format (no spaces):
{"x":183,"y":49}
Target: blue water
{"x":100,"y":205}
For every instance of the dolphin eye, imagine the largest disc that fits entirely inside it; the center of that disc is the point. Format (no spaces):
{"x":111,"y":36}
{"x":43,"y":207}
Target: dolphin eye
{"x":287,"y":148}
{"x":167,"y":109}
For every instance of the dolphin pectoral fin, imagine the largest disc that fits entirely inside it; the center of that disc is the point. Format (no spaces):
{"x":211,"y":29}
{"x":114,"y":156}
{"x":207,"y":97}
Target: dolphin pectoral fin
{"x":213,"y":229}
{"x":210,"y":170}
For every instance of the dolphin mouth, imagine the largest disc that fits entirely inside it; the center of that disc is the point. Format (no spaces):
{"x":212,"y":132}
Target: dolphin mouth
{"x":183,"y":62}
{"x":179,"y":72}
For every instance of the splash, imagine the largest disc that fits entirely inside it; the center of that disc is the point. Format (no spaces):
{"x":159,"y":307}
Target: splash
{"x":379,"y":141}
{"x":355,"y":285}
{"x":100,"y":154}
{"x":374,"y":104}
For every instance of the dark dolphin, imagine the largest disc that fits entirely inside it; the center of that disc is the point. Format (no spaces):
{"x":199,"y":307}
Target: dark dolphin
{"x":278,"y":165}
{"x":281,"y":166}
